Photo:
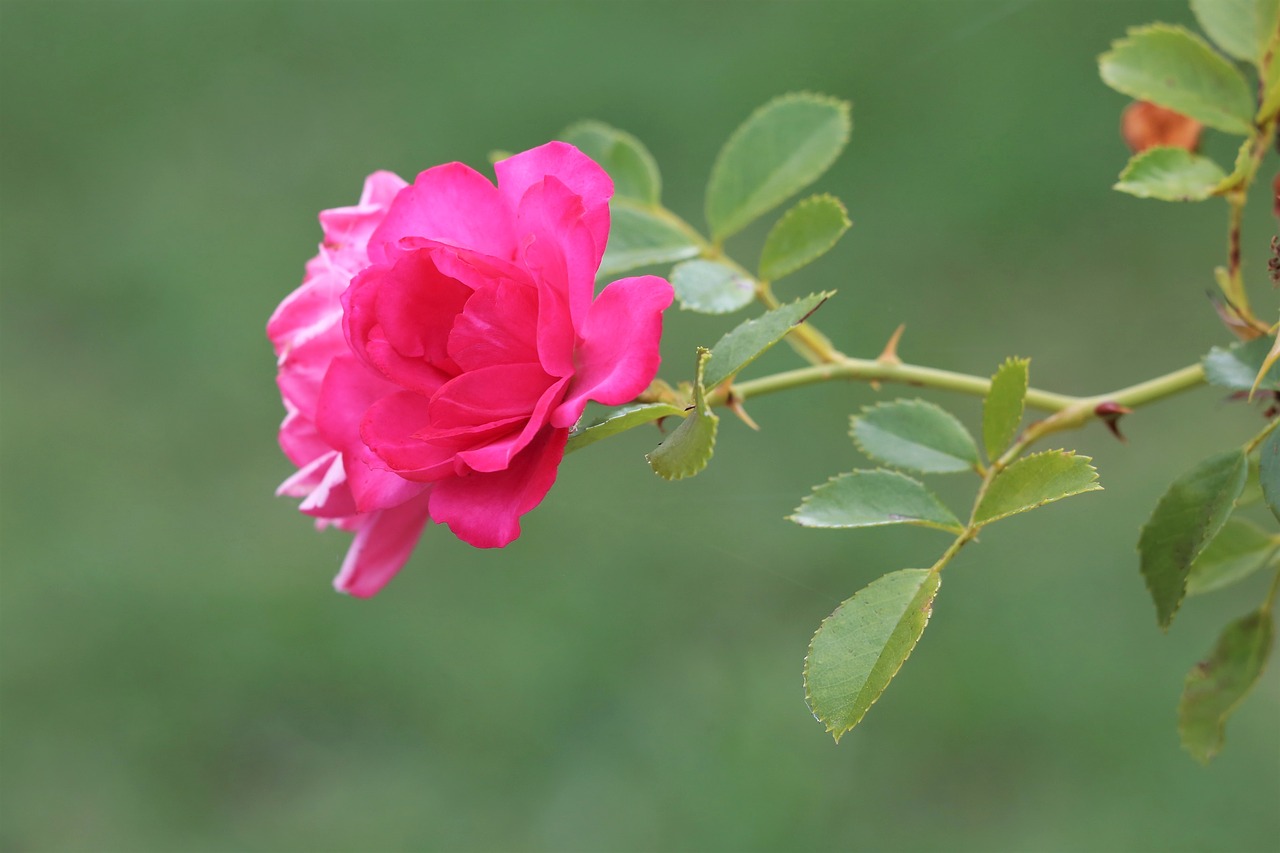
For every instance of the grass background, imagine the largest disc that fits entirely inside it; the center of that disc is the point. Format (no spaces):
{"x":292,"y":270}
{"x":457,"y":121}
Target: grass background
{"x":177,"y":673}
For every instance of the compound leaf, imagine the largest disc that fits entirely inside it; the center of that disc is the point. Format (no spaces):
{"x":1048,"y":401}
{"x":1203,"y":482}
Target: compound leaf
{"x":1216,"y":685}
{"x":805,"y":233}
{"x":1034,"y":481}
{"x":871,"y":499}
{"x":859,"y":648}
{"x":711,"y":288}
{"x":782,"y":148}
{"x":1175,"y":68}
{"x":748,"y":341}
{"x":1002,"y":410}
{"x":1184,"y":522}
{"x":1240,"y":549}
{"x":639,"y":237}
{"x":1168,"y":173}
{"x":916,"y":435}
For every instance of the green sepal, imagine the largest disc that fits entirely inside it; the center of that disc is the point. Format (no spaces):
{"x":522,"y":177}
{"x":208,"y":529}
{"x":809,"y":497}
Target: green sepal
{"x":859,"y":648}
{"x":1034,"y":481}
{"x":639,"y":237}
{"x":1240,"y":549}
{"x":805,"y":233}
{"x":630,"y":165}
{"x":1184,"y":522}
{"x":916,"y":435}
{"x":1005,"y":403}
{"x":1169,"y":173}
{"x":619,"y":421}
{"x":748,"y":341}
{"x":710,"y":287}
{"x":1216,"y":685}
{"x":689,"y":447}
{"x":1174,"y":68}
{"x":872,"y":499}
{"x":783,"y":147}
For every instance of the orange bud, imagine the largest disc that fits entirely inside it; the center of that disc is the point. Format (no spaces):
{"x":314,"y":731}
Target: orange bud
{"x":1143,"y":125}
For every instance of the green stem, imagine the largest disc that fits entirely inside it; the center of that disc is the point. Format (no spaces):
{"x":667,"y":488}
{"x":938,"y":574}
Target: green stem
{"x":928,"y":377}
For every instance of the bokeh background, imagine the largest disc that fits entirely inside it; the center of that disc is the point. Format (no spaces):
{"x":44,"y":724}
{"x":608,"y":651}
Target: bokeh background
{"x":178,"y":674}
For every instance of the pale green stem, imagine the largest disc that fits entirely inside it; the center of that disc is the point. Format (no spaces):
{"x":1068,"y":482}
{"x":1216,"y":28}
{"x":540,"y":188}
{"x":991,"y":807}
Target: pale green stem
{"x":870,"y":370}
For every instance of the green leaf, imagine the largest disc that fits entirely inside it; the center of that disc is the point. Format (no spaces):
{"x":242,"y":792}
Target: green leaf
{"x":628,"y":162}
{"x":1170,"y":174}
{"x":1242,"y":28}
{"x":1216,"y":685}
{"x":688,"y":449}
{"x":1185,"y":520}
{"x":916,"y":435}
{"x":1034,"y":481}
{"x":805,"y":233}
{"x":1269,"y":472}
{"x":1236,"y":366}
{"x":872,"y":499}
{"x":641,"y":238}
{"x":1002,"y":410}
{"x":859,"y":648}
{"x":620,"y":421}
{"x":711,"y":288}
{"x":747,"y":342}
{"x":1176,"y":69}
{"x":1240,"y":549}
{"x":782,"y":148}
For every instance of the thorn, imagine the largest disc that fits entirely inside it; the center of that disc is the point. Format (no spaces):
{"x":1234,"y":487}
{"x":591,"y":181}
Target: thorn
{"x":1110,"y":413}
{"x":889,"y":355}
{"x":735,"y":406}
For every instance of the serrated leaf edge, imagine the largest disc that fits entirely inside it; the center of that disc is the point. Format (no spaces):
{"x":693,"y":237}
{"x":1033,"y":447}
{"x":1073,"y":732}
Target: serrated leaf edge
{"x":1138,"y":191}
{"x":1022,"y":408}
{"x":853,"y":434}
{"x":957,"y":529}
{"x":787,"y":270}
{"x":1093,"y":485}
{"x":808,"y":697}
{"x":846,"y":113}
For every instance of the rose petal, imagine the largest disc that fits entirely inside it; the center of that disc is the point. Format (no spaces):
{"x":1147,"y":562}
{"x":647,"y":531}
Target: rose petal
{"x":398,"y":320}
{"x":351,"y":227}
{"x":484,"y":509}
{"x":498,"y":453}
{"x":389,"y":428}
{"x":330,"y":498}
{"x":559,"y":248}
{"x":453,"y":204}
{"x":619,"y":354}
{"x":570,"y":167}
{"x":383,"y":544}
{"x":488,"y":394}
{"x":498,"y":326}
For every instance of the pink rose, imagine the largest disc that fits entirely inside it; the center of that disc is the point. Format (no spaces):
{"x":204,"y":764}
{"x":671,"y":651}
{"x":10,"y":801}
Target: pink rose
{"x":473,"y":341}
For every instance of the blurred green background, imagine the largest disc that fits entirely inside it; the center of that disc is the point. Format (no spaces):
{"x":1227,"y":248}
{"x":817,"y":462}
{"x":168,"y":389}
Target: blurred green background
{"x":178,"y":674}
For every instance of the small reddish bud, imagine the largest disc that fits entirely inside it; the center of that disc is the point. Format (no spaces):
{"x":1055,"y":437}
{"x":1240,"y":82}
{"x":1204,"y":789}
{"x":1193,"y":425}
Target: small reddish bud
{"x":1144,"y":125}
{"x":1110,"y":414}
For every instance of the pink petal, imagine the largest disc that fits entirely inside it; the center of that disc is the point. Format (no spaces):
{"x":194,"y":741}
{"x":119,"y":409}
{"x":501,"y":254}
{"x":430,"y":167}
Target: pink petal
{"x":298,"y":437}
{"x":559,"y":247}
{"x":498,"y":326}
{"x":619,"y":354}
{"x":389,"y":428}
{"x":489,"y":394}
{"x":331,"y":498}
{"x":352,"y":226}
{"x":382,"y":545}
{"x":570,"y":167}
{"x":484,"y":509}
{"x":307,"y":477}
{"x":398,"y":320}
{"x":497,"y":453}
{"x":453,"y":204}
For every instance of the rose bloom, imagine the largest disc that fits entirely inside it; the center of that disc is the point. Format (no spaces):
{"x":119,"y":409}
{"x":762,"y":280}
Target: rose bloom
{"x":442,"y":344}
